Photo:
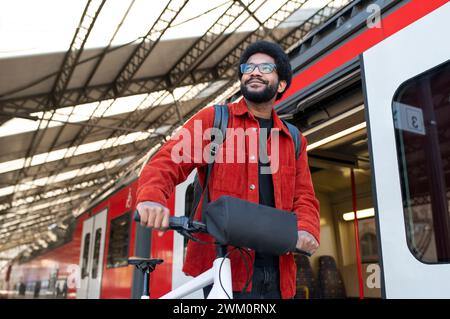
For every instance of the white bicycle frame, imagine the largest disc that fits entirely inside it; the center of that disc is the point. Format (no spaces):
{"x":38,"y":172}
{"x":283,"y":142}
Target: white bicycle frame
{"x":219,"y":275}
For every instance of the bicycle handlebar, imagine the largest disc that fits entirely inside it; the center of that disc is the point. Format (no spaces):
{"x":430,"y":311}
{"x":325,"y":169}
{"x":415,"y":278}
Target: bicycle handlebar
{"x":186,"y":227}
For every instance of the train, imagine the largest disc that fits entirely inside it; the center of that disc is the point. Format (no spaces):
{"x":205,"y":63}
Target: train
{"x":371,"y":93}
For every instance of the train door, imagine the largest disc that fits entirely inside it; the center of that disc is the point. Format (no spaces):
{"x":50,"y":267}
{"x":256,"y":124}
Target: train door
{"x":407,"y":92}
{"x":91,"y":256}
{"x":346,"y":265}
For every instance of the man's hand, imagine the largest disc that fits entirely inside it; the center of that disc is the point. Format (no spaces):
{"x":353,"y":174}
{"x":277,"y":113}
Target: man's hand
{"x":154,"y":215}
{"x":306,"y":242}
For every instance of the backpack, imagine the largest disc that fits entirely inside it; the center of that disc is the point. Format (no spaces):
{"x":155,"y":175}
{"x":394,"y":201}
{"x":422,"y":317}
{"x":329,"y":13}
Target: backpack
{"x":221,"y":122}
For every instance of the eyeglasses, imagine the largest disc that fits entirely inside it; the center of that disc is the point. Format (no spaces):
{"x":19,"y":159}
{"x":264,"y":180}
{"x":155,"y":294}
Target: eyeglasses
{"x":265,"y":68}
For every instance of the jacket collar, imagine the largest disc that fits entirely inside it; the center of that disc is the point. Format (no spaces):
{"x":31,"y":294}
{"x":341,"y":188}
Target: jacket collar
{"x":241,"y":109}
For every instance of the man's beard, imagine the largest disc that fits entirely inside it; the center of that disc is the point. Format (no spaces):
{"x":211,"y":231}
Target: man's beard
{"x":259,"y":96}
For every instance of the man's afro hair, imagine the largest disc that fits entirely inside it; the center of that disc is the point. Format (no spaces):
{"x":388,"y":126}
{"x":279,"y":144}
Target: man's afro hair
{"x":272,"y":49}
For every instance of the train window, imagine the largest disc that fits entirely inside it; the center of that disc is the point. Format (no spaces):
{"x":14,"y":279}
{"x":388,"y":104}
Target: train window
{"x":97,"y":241}
{"x":421,"y":111}
{"x":369,"y":248}
{"x":119,"y":241}
{"x":84,"y":270}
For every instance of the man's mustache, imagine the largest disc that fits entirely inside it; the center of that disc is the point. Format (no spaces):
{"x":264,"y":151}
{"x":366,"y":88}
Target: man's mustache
{"x":256,"y":80}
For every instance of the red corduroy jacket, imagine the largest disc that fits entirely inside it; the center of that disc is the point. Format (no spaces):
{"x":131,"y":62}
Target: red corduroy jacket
{"x":235,"y":174}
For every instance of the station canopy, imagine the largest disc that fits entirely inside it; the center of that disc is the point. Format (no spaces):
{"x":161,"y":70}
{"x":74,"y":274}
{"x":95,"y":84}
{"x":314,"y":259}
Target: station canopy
{"x":89,"y":90}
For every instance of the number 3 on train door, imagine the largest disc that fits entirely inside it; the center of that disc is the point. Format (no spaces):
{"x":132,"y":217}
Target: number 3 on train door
{"x":407,"y":92}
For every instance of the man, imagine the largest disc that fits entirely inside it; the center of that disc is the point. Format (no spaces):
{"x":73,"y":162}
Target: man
{"x":265,"y":74}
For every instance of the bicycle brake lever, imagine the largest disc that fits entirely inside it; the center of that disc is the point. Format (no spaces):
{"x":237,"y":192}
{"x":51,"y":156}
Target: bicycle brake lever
{"x":185,"y":233}
{"x":302,"y":252}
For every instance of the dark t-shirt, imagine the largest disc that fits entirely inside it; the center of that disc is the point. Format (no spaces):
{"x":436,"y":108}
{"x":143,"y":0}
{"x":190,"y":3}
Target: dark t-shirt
{"x":266,"y":194}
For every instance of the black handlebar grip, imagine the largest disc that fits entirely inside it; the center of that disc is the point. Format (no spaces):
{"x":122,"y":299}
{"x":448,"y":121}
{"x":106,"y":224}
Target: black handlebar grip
{"x":174,"y":222}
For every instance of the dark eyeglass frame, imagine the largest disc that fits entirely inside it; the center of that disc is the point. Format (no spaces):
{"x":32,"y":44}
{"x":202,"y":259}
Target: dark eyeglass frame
{"x":247,"y":68}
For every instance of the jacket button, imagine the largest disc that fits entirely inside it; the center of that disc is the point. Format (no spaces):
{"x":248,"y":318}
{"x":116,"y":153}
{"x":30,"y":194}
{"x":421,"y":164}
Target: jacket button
{"x":252,"y":186}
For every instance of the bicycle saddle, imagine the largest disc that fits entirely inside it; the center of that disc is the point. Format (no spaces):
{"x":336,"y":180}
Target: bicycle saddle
{"x":144,"y":263}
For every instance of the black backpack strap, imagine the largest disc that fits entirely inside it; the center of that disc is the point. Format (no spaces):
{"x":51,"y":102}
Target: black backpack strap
{"x":220,"y":122}
{"x":221,"y":119}
{"x":295,"y":133}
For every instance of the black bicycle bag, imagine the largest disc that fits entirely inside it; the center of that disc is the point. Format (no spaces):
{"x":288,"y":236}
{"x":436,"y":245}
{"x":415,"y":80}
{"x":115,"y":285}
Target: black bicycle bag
{"x":236,"y":222}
